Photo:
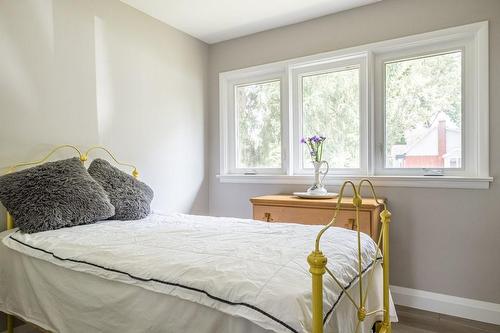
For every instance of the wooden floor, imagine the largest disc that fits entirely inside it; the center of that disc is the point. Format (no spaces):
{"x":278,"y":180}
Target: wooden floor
{"x":410,"y":321}
{"x":418,"y":321}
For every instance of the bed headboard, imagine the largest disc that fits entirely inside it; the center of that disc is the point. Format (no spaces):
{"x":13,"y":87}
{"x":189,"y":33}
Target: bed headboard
{"x":82,"y":156}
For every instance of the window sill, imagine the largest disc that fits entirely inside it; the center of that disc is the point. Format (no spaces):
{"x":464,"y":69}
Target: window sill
{"x":381,"y":181}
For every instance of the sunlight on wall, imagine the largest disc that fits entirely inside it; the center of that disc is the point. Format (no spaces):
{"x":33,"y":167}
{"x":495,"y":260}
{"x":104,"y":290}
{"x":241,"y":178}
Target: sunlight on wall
{"x":104,"y":95}
{"x":149,"y":87}
{"x":27,"y":50}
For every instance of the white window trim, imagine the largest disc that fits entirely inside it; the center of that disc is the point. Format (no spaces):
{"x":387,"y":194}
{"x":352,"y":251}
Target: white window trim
{"x":227,"y":84}
{"x":380,"y":181}
{"x":469,"y":109}
{"x":478,"y":178}
{"x":296,"y":73}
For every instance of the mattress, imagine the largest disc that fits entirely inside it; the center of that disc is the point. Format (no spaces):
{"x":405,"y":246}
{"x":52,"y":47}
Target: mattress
{"x":71,"y":296}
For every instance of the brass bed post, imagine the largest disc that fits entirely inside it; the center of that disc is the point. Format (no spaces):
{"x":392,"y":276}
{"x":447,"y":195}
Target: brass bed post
{"x":317,"y":263}
{"x":10,"y":318}
{"x":10,"y":323}
{"x":10,"y":222}
{"x":385,"y":217}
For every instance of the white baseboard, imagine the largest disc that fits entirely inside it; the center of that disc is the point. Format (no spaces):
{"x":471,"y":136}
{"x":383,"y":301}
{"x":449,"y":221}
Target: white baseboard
{"x":450,"y":305}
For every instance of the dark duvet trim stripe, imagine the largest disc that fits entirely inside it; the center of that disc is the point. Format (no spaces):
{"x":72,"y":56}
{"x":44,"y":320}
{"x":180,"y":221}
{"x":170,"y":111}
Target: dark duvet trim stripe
{"x":253,"y":307}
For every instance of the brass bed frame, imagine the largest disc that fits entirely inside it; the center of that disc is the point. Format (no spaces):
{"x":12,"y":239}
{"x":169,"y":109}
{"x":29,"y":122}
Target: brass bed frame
{"x":317,"y":260}
{"x":317,"y":263}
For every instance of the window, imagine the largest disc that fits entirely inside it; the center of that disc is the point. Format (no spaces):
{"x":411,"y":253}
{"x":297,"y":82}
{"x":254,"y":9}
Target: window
{"x":429,"y":115}
{"x":331,"y":102}
{"x":330,"y":106}
{"x":254,"y":127}
{"x":396,"y":111}
{"x":423,"y":111}
{"x":258,"y":124}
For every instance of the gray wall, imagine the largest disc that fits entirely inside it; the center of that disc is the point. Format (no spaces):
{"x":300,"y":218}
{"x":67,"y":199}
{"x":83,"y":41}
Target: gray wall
{"x":443,"y":240}
{"x":100,"y":72}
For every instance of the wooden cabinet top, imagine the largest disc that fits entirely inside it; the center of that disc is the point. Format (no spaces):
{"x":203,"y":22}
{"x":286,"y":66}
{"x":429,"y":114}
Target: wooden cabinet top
{"x":293,"y":201}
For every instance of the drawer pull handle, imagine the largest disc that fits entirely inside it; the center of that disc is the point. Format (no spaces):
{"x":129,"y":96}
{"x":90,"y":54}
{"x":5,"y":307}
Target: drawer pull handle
{"x":267,"y":217}
{"x":351,"y":223}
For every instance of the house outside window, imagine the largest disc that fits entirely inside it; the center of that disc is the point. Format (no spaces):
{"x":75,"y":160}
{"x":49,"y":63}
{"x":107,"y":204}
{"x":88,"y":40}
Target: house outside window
{"x":423,"y":110}
{"x":435,"y":146}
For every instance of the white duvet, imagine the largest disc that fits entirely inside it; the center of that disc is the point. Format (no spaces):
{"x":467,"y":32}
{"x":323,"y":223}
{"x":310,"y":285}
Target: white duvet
{"x":244,"y":268}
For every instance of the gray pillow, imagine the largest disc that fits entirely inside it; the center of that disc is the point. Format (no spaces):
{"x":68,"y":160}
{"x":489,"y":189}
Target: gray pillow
{"x":54,"y":195}
{"x":131,"y":198}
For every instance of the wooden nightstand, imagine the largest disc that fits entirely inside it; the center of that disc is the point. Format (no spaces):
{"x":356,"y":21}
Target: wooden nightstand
{"x":288,"y":208}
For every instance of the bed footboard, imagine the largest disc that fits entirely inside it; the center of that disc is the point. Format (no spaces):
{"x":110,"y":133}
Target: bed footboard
{"x":318,"y":267}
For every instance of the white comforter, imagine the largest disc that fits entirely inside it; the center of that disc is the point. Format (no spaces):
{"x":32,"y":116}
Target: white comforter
{"x":244,"y":268}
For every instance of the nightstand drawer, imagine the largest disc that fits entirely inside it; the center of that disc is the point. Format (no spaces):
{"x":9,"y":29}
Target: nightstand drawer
{"x":314,"y":216}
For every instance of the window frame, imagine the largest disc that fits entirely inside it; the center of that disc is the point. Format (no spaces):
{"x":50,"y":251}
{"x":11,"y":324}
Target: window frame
{"x":475,"y":112}
{"x":468,"y":112}
{"x":228,"y":142}
{"x":335,"y":65}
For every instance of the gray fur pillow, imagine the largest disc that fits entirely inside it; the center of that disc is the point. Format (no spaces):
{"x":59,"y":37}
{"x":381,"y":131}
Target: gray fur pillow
{"x":131,"y":198}
{"x":54,"y":195}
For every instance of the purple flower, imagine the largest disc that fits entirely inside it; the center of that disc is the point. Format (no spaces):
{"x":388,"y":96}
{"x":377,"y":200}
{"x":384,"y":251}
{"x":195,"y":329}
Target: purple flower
{"x":315,"y":146}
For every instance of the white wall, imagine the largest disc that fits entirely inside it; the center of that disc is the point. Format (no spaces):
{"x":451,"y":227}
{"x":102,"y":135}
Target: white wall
{"x":100,"y":72}
{"x":443,"y":240}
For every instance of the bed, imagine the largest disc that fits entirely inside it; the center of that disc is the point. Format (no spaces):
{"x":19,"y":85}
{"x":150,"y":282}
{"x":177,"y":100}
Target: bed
{"x":184,"y":273}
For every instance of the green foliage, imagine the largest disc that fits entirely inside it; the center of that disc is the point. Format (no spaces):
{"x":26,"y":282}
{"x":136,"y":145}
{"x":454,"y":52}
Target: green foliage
{"x":331,"y":109}
{"x":417,"y":90}
{"x":259,"y":125}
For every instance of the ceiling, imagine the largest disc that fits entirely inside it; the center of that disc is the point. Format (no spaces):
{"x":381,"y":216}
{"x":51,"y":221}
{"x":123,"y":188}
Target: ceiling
{"x":213,"y":21}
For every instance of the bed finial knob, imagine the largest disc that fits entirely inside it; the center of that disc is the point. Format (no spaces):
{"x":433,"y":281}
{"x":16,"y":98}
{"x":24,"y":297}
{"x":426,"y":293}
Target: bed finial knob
{"x":317,"y":262}
{"x":385,"y":216}
{"x":135,"y":173}
{"x":83,"y":158}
